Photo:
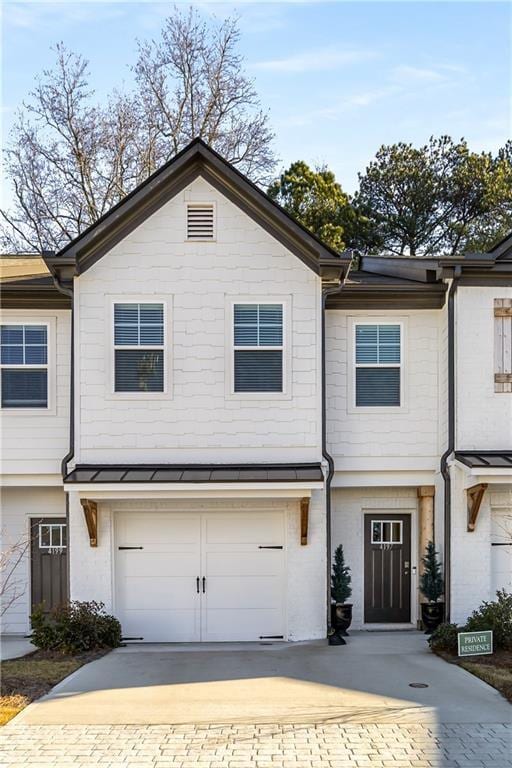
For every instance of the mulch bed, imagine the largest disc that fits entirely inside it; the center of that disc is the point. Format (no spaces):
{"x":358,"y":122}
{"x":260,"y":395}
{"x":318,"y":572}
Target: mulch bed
{"x":495,"y":669}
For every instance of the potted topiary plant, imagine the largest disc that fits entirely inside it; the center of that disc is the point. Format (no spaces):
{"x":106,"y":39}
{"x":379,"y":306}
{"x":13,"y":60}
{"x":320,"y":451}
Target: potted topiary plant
{"x":432,"y":587}
{"x":341,"y":611}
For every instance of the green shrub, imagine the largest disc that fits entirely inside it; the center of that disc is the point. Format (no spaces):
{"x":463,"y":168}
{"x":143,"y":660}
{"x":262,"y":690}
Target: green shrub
{"x":444,"y":638}
{"x":340,"y":577}
{"x":495,"y":615}
{"x":431,"y":580}
{"x":74,"y":628}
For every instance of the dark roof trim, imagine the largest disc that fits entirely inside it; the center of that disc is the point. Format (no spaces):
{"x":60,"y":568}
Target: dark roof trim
{"x":196,"y":159}
{"x":32,"y":293}
{"x":388,"y":293}
{"x":419,"y":269}
{"x":503,"y":248}
{"x":195,"y":473}
{"x":485,"y":459}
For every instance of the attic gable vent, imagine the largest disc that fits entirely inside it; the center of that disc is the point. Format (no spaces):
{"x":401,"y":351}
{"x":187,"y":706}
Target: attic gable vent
{"x":200,"y":221}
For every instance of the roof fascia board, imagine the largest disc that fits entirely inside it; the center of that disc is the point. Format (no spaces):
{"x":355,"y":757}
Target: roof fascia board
{"x":388,"y":297}
{"x":196,"y":160}
{"x":22,"y":299}
{"x":191,"y":491}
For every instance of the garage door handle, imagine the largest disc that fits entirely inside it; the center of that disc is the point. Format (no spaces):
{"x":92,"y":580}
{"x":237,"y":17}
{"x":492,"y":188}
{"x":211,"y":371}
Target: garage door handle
{"x":270,"y":547}
{"x":197,"y":585}
{"x":130,"y":547}
{"x":204,"y":585}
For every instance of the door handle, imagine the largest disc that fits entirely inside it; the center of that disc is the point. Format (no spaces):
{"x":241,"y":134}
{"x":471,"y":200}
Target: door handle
{"x":197,"y":585}
{"x":204,"y":585}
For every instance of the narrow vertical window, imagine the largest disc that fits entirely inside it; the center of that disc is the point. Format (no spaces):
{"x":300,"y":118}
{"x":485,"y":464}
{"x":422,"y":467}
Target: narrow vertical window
{"x":24,"y":364}
{"x":139,"y":342}
{"x":258,"y":347}
{"x":378,"y":361}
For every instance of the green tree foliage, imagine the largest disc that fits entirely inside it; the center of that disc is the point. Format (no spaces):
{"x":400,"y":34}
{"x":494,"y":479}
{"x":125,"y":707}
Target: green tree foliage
{"x":431,"y":580}
{"x":340,"y":577}
{"x":437,"y":199}
{"x":317,"y":201}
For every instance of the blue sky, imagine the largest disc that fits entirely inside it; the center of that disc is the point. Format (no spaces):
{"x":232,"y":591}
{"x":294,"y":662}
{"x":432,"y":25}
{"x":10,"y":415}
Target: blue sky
{"x":339,"y":78}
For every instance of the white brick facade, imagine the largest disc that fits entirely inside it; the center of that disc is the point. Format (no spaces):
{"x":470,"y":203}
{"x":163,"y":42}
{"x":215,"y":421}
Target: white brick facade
{"x":198,"y":420}
{"x":359,"y":439}
{"x":35,"y":443}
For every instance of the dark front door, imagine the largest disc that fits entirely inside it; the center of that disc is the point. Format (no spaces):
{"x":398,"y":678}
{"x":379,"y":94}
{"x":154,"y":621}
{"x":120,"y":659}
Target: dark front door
{"x":49,"y":582}
{"x":387,"y":568}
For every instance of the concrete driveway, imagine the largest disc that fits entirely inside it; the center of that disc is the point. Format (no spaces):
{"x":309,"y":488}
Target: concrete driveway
{"x":366,"y":681}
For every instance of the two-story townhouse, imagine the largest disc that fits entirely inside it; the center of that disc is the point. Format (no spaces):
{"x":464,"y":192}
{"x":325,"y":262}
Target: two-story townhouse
{"x":239,"y":402}
{"x":195,"y":476}
{"x":419,"y":422}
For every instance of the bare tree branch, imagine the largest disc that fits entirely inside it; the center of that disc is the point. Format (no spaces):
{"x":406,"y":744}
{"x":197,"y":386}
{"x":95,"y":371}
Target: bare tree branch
{"x":69,"y":160}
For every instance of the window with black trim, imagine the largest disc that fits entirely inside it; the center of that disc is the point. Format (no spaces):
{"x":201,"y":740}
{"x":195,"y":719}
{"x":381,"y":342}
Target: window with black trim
{"x":24,"y":365}
{"x":258,"y":347}
{"x":139,"y":343}
{"x":378,"y":364}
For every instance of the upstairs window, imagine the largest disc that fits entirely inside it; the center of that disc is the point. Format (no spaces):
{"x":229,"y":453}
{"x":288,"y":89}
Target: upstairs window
{"x":503,"y":345}
{"x":24,"y":364}
{"x":378,"y":360}
{"x":258,"y":347}
{"x":139,"y":342}
{"x":200,"y":221}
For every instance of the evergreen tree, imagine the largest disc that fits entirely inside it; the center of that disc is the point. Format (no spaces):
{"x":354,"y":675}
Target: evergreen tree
{"x":340,"y":578}
{"x":431,"y":581}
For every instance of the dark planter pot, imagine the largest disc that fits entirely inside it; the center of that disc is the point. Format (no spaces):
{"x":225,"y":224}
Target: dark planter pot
{"x":431,"y":616}
{"x":341,"y":617}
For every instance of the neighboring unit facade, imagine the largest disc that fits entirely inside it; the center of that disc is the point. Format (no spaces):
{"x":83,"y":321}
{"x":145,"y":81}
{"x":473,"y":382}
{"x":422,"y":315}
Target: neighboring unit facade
{"x":202,"y":401}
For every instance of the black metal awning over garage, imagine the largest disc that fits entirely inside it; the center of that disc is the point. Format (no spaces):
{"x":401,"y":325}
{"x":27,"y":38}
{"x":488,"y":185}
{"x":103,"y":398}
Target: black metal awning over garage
{"x":196,"y":473}
{"x":485,"y":459}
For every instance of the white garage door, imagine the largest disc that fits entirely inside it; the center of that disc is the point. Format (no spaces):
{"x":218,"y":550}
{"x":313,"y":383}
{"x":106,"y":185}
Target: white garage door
{"x":501,"y":550}
{"x":191,"y":577}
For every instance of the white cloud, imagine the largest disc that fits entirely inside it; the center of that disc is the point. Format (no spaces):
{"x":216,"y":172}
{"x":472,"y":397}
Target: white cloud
{"x":407,"y":74}
{"x":315,"y":60}
{"x":33,"y":14}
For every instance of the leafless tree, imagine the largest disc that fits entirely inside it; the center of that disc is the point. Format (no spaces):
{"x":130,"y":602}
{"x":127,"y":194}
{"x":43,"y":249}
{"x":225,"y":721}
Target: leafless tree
{"x":12,"y":585}
{"x":70,"y":159}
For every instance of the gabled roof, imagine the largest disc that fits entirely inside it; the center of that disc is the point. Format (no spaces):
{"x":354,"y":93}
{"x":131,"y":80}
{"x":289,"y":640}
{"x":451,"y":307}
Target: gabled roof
{"x":197,"y":159}
{"x":502,"y":250}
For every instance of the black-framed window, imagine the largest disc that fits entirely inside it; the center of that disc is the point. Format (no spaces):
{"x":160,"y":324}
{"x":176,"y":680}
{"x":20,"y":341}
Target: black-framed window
{"x":258,"y":346}
{"x":139,"y":344}
{"x":24,"y":366}
{"x":378,"y":364}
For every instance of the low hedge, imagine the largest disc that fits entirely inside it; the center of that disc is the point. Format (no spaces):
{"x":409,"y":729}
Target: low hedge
{"x":495,"y":615}
{"x":74,"y":628}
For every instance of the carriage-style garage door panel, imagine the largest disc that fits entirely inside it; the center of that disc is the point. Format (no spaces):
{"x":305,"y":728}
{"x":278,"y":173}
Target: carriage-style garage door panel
{"x":190,"y":577}
{"x":244,"y":583}
{"x":157,"y":562}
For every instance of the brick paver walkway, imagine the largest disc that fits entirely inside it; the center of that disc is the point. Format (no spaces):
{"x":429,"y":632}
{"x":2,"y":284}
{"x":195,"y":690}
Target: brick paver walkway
{"x":335,"y":745}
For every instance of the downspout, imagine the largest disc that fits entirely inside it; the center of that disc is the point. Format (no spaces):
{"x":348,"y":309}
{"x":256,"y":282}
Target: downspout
{"x":71,"y":452}
{"x":327,"y":456}
{"x":445,"y":472}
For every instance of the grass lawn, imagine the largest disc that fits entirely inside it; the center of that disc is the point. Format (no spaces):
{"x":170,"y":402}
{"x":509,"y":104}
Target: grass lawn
{"x":26,"y":679}
{"x":496,"y":669}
